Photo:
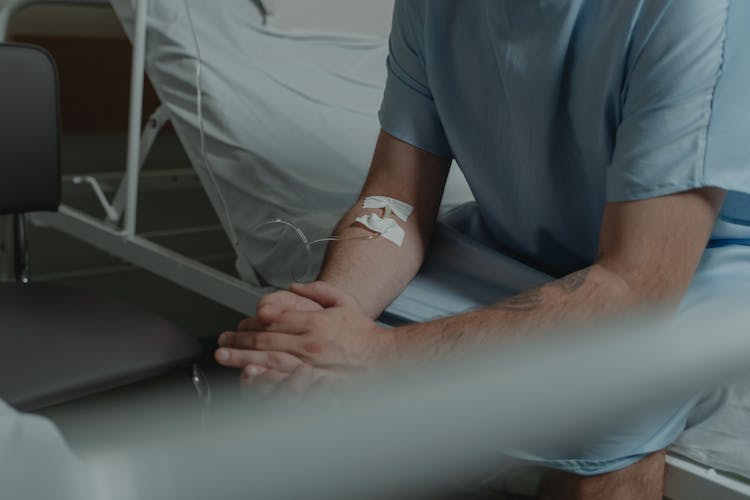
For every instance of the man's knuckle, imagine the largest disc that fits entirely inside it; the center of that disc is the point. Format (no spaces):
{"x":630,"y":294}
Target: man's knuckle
{"x":271,"y":297}
{"x":315,"y":322}
{"x":251,"y":371}
{"x":242,"y":341}
{"x":312,"y":347}
{"x":273,"y":359}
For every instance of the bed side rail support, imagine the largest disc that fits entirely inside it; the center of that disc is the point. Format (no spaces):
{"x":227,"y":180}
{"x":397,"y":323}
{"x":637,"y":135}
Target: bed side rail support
{"x":115,"y":210}
{"x":143,"y":253}
{"x":154,"y":126}
{"x":137,"y":79}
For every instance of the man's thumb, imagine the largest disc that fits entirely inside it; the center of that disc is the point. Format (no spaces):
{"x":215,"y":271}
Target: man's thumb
{"x":321,"y":292}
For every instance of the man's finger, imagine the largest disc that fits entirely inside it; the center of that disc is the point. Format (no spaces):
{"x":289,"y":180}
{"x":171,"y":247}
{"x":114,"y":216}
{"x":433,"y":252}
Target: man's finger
{"x":282,"y":299}
{"x":292,"y":322}
{"x":232,"y":358}
{"x":271,"y":306}
{"x":240,"y":358}
{"x":233,"y":339}
{"x":263,"y":341}
{"x":239,"y":340}
{"x":251,"y":324}
{"x":268,"y":313}
{"x":324,"y":294}
{"x":236,"y":340}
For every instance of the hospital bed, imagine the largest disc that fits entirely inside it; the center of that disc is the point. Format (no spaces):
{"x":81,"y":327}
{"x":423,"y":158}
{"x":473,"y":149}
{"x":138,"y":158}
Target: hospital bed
{"x":344,"y":69}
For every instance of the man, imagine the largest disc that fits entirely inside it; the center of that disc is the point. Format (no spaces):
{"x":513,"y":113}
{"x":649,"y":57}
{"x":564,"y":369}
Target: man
{"x":600,"y":138}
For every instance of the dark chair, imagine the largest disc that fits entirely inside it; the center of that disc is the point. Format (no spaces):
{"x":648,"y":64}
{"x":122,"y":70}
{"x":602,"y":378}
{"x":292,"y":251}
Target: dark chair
{"x":59,"y":343}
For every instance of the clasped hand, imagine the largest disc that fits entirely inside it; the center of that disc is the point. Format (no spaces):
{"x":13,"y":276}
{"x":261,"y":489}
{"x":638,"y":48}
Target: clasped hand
{"x":299,"y":338}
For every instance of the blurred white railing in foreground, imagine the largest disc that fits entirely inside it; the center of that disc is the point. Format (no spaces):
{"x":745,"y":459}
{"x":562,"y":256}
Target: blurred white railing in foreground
{"x":423,"y":429}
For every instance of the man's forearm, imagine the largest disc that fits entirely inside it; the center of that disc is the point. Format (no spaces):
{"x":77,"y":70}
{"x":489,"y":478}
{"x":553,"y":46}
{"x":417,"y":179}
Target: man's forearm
{"x":586,"y":294}
{"x":649,"y":251}
{"x":373,"y":271}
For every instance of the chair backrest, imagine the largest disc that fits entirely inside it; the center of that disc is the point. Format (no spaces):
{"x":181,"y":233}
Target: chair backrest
{"x":29,"y":130}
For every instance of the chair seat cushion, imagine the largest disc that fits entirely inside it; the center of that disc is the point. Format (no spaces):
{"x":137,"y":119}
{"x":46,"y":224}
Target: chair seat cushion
{"x":59,"y":343}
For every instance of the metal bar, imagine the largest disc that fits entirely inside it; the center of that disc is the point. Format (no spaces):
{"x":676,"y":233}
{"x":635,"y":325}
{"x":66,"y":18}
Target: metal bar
{"x":112,"y":215}
{"x":20,"y":250}
{"x":152,"y":180}
{"x":136,"y":115}
{"x":155,"y":124}
{"x":191,"y":274}
{"x":116,"y":269}
{"x":183,"y":231}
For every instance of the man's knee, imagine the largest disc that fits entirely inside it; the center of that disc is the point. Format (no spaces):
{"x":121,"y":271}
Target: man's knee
{"x":642,"y":480}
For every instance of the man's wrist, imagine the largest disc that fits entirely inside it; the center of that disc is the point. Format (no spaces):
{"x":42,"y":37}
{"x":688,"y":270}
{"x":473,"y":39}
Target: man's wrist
{"x":387,"y":350}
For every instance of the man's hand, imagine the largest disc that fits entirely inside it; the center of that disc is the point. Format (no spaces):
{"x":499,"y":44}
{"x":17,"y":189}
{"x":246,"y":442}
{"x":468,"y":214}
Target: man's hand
{"x":269,"y":309}
{"x":338,"y":337}
{"x":312,"y":334}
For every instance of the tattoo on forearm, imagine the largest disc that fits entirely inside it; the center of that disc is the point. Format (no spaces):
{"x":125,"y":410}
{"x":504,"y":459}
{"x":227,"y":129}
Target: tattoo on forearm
{"x":524,"y":301}
{"x":534,"y":299}
{"x":574,"y":281}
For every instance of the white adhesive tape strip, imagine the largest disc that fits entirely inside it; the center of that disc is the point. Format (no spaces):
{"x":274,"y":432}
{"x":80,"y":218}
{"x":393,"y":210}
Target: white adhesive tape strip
{"x":399,"y":208}
{"x":388,"y":228}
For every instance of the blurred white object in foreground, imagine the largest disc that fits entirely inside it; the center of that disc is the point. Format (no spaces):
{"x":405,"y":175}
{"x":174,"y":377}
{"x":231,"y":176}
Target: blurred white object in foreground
{"x":418,"y":431}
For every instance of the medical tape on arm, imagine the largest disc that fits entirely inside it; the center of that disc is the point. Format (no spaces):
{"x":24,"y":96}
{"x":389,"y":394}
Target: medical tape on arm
{"x":386,"y":226}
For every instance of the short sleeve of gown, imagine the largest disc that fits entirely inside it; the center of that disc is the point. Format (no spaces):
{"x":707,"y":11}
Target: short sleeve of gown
{"x":686,"y":105}
{"x":408,"y":111}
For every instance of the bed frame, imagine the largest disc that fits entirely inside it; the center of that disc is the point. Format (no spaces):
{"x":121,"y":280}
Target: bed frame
{"x":117,"y":235}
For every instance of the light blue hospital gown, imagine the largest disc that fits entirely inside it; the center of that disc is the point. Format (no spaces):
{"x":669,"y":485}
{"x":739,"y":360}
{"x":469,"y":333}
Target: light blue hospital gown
{"x":554,"y":107}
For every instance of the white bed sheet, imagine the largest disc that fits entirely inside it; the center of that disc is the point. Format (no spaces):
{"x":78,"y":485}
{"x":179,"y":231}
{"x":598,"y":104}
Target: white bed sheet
{"x":333,"y":16}
{"x":290,"y":119}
